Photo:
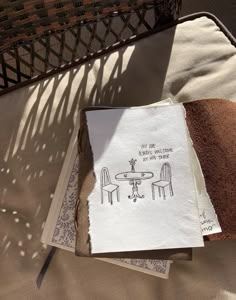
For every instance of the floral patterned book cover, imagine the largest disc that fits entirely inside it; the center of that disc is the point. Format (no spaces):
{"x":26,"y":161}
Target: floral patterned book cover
{"x":59,"y":230}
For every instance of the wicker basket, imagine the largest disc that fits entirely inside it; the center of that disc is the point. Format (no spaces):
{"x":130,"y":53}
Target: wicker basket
{"x":40,"y":37}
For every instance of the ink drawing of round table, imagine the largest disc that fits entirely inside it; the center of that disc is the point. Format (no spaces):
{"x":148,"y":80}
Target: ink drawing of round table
{"x":135,"y":179}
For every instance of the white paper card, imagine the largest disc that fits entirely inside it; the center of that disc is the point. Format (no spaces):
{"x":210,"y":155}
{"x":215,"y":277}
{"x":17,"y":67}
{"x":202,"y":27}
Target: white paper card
{"x":208,"y":218}
{"x":59,"y":230}
{"x":144,"y":197}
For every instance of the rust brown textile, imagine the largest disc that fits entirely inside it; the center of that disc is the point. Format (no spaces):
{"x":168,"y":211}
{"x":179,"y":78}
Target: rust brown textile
{"x":212,"y":126}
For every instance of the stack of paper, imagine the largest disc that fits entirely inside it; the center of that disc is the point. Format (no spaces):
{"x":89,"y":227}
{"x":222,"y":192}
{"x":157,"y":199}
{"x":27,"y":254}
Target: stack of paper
{"x":149,"y":192}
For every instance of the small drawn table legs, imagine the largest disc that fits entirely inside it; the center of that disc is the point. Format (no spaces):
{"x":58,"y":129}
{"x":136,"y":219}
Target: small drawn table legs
{"x":135,"y":193}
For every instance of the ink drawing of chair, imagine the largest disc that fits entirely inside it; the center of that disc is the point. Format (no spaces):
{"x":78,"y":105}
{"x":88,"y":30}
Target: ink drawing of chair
{"x":165,"y":181}
{"x":107,"y":186}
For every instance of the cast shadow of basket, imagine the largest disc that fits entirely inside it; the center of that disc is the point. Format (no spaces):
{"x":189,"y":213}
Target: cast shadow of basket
{"x":39,"y":120}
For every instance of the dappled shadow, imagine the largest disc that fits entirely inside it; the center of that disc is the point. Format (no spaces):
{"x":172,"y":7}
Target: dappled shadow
{"x":37,"y":122}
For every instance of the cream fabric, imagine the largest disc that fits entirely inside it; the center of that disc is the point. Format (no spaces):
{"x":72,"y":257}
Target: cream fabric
{"x":194,"y":60}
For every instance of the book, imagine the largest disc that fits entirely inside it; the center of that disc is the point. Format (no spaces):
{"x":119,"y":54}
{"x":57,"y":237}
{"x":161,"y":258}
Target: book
{"x":108,"y":223}
{"x":59,"y":230}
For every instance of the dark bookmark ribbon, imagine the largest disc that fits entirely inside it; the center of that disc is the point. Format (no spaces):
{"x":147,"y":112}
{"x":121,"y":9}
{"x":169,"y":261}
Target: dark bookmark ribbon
{"x":45,"y":266}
